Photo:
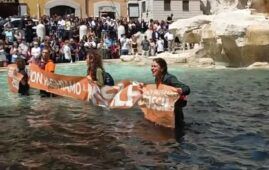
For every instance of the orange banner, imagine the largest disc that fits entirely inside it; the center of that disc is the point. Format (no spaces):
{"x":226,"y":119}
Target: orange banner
{"x":158,"y":104}
{"x":69,"y":86}
{"x":13,"y":78}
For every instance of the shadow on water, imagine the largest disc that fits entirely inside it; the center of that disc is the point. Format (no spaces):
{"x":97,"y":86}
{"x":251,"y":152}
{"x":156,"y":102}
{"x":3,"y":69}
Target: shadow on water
{"x":226,"y":127}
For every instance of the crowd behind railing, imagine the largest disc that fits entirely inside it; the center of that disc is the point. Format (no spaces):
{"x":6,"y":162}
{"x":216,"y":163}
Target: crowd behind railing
{"x":69,"y":38}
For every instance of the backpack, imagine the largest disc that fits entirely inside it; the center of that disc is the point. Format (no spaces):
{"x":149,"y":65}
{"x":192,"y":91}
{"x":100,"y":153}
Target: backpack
{"x":108,"y":79}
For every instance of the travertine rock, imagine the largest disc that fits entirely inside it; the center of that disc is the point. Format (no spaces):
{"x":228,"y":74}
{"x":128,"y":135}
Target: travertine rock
{"x":206,"y":61}
{"x":259,"y":65}
{"x":238,"y":37}
{"x":127,"y":58}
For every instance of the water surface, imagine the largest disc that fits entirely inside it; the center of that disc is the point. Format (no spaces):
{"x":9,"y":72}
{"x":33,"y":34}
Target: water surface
{"x":227,"y":126}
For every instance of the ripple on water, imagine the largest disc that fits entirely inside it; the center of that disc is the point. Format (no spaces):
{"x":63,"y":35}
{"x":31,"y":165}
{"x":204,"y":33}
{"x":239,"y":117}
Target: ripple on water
{"x":226,"y":119}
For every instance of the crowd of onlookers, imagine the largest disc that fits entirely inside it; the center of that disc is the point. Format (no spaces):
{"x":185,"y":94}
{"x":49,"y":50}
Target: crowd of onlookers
{"x":69,"y":38}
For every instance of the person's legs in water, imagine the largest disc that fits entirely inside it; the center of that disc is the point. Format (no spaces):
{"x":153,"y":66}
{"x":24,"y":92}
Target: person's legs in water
{"x":24,"y":89}
{"x":46,"y":94}
{"x":179,"y":121}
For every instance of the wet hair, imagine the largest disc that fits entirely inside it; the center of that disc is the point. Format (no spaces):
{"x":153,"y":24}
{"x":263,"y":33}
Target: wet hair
{"x":20,"y":63}
{"x":162,"y":63}
{"x":96,"y":63}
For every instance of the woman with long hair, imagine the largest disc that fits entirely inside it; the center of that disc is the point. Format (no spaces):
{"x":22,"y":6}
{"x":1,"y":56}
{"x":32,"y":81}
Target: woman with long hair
{"x":95,"y":68}
{"x":160,"y":72}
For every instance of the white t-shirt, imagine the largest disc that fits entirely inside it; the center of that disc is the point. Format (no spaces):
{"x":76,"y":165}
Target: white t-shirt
{"x":36,"y":52}
{"x":90,"y":44}
{"x":160,"y":44}
{"x":67,"y":52}
{"x":23,"y":49}
{"x":92,"y":24}
{"x":121,"y":31}
{"x":40,"y":31}
{"x":82,"y":31}
{"x":169,"y":36}
{"x":2,"y":55}
{"x":61,"y":24}
{"x":124,"y":44}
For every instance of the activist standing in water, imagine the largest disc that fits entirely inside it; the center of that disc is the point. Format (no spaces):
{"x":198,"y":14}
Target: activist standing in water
{"x":159,"y":71}
{"x":49,"y":64}
{"x":23,"y":86}
{"x":49,"y":67}
{"x":95,"y":68}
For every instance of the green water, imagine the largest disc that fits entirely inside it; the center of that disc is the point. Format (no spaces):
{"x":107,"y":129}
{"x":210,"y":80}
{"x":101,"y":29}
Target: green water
{"x":227,"y":126}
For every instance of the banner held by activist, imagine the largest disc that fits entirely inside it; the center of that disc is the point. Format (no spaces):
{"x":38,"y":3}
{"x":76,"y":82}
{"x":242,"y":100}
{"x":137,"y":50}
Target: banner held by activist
{"x":158,"y":104}
{"x":14,"y":78}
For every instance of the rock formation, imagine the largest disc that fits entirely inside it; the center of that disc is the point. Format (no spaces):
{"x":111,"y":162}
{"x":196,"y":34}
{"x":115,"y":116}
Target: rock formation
{"x":238,"y":37}
{"x":217,"y":6}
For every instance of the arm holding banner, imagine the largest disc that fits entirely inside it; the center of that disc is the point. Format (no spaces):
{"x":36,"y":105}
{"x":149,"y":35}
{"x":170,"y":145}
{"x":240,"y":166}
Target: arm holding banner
{"x":159,"y":70}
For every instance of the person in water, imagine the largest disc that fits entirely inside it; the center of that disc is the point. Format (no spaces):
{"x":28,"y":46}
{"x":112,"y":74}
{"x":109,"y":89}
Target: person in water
{"x":49,"y":67}
{"x":23,"y":85}
{"x":95,"y":68}
{"x":160,"y":72}
{"x":49,"y":63}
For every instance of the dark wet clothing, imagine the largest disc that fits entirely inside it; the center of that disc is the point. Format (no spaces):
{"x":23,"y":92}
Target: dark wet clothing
{"x":24,"y":86}
{"x":171,"y":80}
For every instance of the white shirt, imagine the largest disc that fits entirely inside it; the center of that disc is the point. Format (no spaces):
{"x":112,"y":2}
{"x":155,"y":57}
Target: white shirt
{"x":121,"y":31}
{"x":67,"y":52}
{"x":36,"y":52}
{"x":82,"y":31}
{"x":40,"y":31}
{"x":124,"y":44}
{"x":90,"y":44}
{"x":92,"y":24}
{"x":169,"y":36}
{"x":23,"y":49}
{"x":2,"y":55}
{"x":160,"y":47}
{"x":61,"y":24}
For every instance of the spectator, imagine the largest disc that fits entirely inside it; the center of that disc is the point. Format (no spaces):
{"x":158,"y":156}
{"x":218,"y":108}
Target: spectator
{"x":170,"y":39}
{"x":74,"y":50}
{"x":155,"y":35}
{"x":2,"y":56}
{"x":9,"y":36}
{"x":121,"y":30}
{"x":152,"y":48}
{"x":134,"y":45}
{"x":91,"y":43}
{"x":145,"y":47}
{"x":18,"y":35}
{"x":124,"y":45}
{"x":14,"y":52}
{"x":36,"y":54}
{"x":160,"y":45}
{"x":23,"y":50}
{"x":29,"y":32}
{"x":67,"y":52}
